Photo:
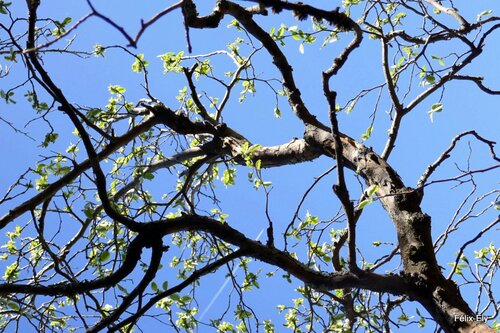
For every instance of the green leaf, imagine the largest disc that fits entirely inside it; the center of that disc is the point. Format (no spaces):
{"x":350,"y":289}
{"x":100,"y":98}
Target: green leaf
{"x":172,"y":62}
{"x":49,"y":138}
{"x":7,"y":96}
{"x":277,"y":113}
{"x":441,"y":62}
{"x":365,"y":136}
{"x":61,"y":27}
{"x":11,"y":272}
{"x":229,"y":177}
{"x":234,"y":23}
{"x":363,"y":203}
{"x":139,"y":64}
{"x":421,"y":322}
{"x":148,"y":176}
{"x":3,"y":7}
{"x":116,"y":89}
{"x":398,"y":18}
{"x":72,"y":149}
{"x":258,"y":164}
{"x":13,"y":306}
{"x":104,"y":256}
{"x":11,"y":56}
{"x":430,"y":79}
{"x":435,"y":108}
{"x":372,"y":190}
{"x":99,"y":50}
{"x":88,"y":210}
{"x":351,"y":106}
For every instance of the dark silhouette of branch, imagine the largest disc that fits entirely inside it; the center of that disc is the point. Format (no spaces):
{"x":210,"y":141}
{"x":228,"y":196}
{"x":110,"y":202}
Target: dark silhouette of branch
{"x":478,"y":81}
{"x":446,"y":154}
{"x":196,"y":275}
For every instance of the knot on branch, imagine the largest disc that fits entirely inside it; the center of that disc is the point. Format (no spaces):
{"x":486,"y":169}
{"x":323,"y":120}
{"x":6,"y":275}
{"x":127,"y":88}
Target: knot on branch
{"x":210,"y":21}
{"x":409,"y":199}
{"x":151,"y":237}
{"x":177,"y":121}
{"x":418,"y":282}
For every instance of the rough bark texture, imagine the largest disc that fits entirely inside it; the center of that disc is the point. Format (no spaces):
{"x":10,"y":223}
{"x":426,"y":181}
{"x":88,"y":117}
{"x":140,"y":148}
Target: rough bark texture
{"x":420,"y":280}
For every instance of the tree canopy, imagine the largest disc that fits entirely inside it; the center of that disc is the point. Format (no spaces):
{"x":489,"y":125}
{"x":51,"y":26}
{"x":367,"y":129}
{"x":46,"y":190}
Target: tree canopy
{"x":249,"y":166}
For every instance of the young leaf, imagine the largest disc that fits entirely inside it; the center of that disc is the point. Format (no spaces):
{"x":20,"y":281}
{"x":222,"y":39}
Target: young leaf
{"x":363,"y":203}
{"x":139,"y":63}
{"x":436,"y":107}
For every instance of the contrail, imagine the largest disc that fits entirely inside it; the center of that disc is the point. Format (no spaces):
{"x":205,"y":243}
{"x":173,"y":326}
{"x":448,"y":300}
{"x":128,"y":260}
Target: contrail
{"x":217,"y":294}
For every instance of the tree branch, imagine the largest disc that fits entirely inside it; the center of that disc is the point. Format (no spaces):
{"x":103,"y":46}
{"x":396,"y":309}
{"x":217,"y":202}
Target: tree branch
{"x":446,"y":154}
{"x":197,"y":274}
{"x":316,"y":279}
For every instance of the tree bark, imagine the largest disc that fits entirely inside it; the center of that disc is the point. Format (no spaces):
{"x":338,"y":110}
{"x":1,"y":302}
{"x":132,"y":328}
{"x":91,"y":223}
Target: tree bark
{"x":440,"y":297}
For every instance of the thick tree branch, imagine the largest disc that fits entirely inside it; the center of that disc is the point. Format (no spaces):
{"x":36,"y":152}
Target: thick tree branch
{"x":279,"y":59}
{"x":421,"y":278}
{"x":450,"y":11}
{"x":340,"y":188}
{"x":156,"y":255}
{"x":301,"y":11}
{"x":413,"y":229}
{"x":69,"y":109}
{"x":134,"y":251}
{"x":316,"y":279}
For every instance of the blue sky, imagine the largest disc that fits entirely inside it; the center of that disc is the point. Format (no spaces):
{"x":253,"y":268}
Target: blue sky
{"x":85,"y":82}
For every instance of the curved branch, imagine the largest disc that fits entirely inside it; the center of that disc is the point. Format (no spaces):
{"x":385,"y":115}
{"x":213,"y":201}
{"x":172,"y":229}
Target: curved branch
{"x":340,"y":188}
{"x":279,"y":59}
{"x":77,"y":170}
{"x":59,"y":37}
{"x":112,"y":23}
{"x":398,"y":107}
{"x":474,"y":53}
{"x":450,"y":11}
{"x":478,"y":81}
{"x":156,"y":17}
{"x":301,"y":11}
{"x":134,"y":252}
{"x":316,"y":279}
{"x":197,"y":274}
{"x":157,"y":253}
{"x":446,"y":154}
{"x":69,"y":109}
